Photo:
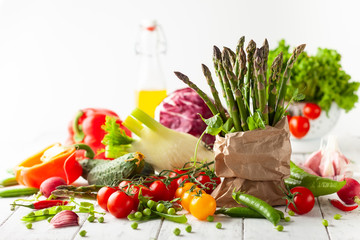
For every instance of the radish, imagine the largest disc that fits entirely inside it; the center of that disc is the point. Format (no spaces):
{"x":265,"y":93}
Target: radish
{"x":350,"y":193}
{"x":50,"y":185}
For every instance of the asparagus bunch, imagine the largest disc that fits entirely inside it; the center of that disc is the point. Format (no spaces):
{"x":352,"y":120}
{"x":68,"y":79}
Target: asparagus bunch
{"x":253,"y":98}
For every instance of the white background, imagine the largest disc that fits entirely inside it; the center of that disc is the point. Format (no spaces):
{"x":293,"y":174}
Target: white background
{"x":59,"y":56}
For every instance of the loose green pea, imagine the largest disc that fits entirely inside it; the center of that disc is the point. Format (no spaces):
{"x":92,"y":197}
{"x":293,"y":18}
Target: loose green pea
{"x":280,"y":228}
{"x":337,"y":216}
{"x":150,"y":203}
{"x":138,"y":215}
{"x":188,"y":228}
{"x":171,"y":211}
{"x":210,"y":218}
{"x":91,"y":218}
{"x":291,"y":213}
{"x":134,"y":225}
{"x":177,"y":231}
{"x":29,"y":226}
{"x":160,"y":207}
{"x":147,"y":211}
{"x":219,"y":225}
{"x":101,"y":219}
{"x":287,"y":219}
{"x":325,"y":222}
{"x":82,"y":233}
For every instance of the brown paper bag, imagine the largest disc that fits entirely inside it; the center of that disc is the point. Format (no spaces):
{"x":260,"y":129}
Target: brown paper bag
{"x":255,"y":162}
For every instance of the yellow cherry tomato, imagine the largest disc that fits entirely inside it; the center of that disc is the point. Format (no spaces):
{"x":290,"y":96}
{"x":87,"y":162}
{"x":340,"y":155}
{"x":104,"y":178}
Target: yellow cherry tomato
{"x":181,"y":190}
{"x":202,"y":206}
{"x":188,"y":196}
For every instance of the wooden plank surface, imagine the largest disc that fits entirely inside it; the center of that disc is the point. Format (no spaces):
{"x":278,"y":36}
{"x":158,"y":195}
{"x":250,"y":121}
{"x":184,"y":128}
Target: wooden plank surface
{"x":306,"y":227}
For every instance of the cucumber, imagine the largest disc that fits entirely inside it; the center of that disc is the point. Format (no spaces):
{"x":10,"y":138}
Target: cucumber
{"x":111,"y":173}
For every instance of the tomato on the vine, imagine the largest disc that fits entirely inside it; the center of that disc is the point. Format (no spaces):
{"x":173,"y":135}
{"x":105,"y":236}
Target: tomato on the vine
{"x":181,"y":190}
{"x":103,"y":195}
{"x":124,"y":184}
{"x":303,"y":199}
{"x":182,"y":180}
{"x":134,"y":191}
{"x":311,"y":110}
{"x":202,"y":206}
{"x":211,"y":183}
{"x":120,"y":204}
{"x":176,"y":172}
{"x":188,"y":196}
{"x":159,"y":190}
{"x":299,"y":126}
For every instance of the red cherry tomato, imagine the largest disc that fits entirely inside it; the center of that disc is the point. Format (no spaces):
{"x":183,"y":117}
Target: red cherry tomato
{"x":172,"y":189}
{"x":288,"y":118}
{"x":299,"y":126}
{"x":208,"y":182}
{"x":182,"y":180}
{"x":159,"y":190}
{"x":304,"y":200}
{"x":103,"y":195}
{"x":134,"y":191}
{"x":312,"y":111}
{"x":176,"y":172}
{"x":124,"y":185}
{"x":120,"y":204}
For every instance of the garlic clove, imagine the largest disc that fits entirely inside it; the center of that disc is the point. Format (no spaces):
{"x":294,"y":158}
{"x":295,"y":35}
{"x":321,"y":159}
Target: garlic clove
{"x":65,"y":218}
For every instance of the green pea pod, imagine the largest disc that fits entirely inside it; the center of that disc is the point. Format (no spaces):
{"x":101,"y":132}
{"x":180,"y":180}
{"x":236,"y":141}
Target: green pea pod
{"x":258,"y":205}
{"x":317,"y":185}
{"x":173,"y":218}
{"x":239,"y":212}
{"x":11,"y":181}
{"x":17,"y":192}
{"x":39,"y":215}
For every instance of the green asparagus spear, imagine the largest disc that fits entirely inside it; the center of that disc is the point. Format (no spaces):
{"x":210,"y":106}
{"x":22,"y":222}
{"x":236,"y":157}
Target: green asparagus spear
{"x":233,"y":110}
{"x":250,"y":85}
{"x":217,"y":61}
{"x":260,"y":76}
{"x":266,"y":56}
{"x":67,"y":193}
{"x":239,"y":46}
{"x":279,"y":110}
{"x":273,"y":81}
{"x":203,"y":95}
{"x":231,"y":54}
{"x":214,"y":92}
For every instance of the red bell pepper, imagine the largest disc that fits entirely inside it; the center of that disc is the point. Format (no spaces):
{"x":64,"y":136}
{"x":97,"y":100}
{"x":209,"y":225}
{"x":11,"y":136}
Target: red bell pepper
{"x":86,"y":128}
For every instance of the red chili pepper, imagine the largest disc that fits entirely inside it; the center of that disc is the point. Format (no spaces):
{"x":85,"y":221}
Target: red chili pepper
{"x":42,"y":204}
{"x":86,"y":128}
{"x":339,"y":205}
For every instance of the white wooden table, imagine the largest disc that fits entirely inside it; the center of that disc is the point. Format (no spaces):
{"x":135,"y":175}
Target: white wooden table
{"x":307,"y":227}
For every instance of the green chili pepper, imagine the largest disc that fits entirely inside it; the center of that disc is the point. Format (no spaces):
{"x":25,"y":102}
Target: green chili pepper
{"x":17,"y":192}
{"x":258,"y":205}
{"x":317,"y":185}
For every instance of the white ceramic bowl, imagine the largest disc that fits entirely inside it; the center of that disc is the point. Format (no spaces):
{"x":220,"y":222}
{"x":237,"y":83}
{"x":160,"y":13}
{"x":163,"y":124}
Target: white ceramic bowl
{"x":319,"y":127}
